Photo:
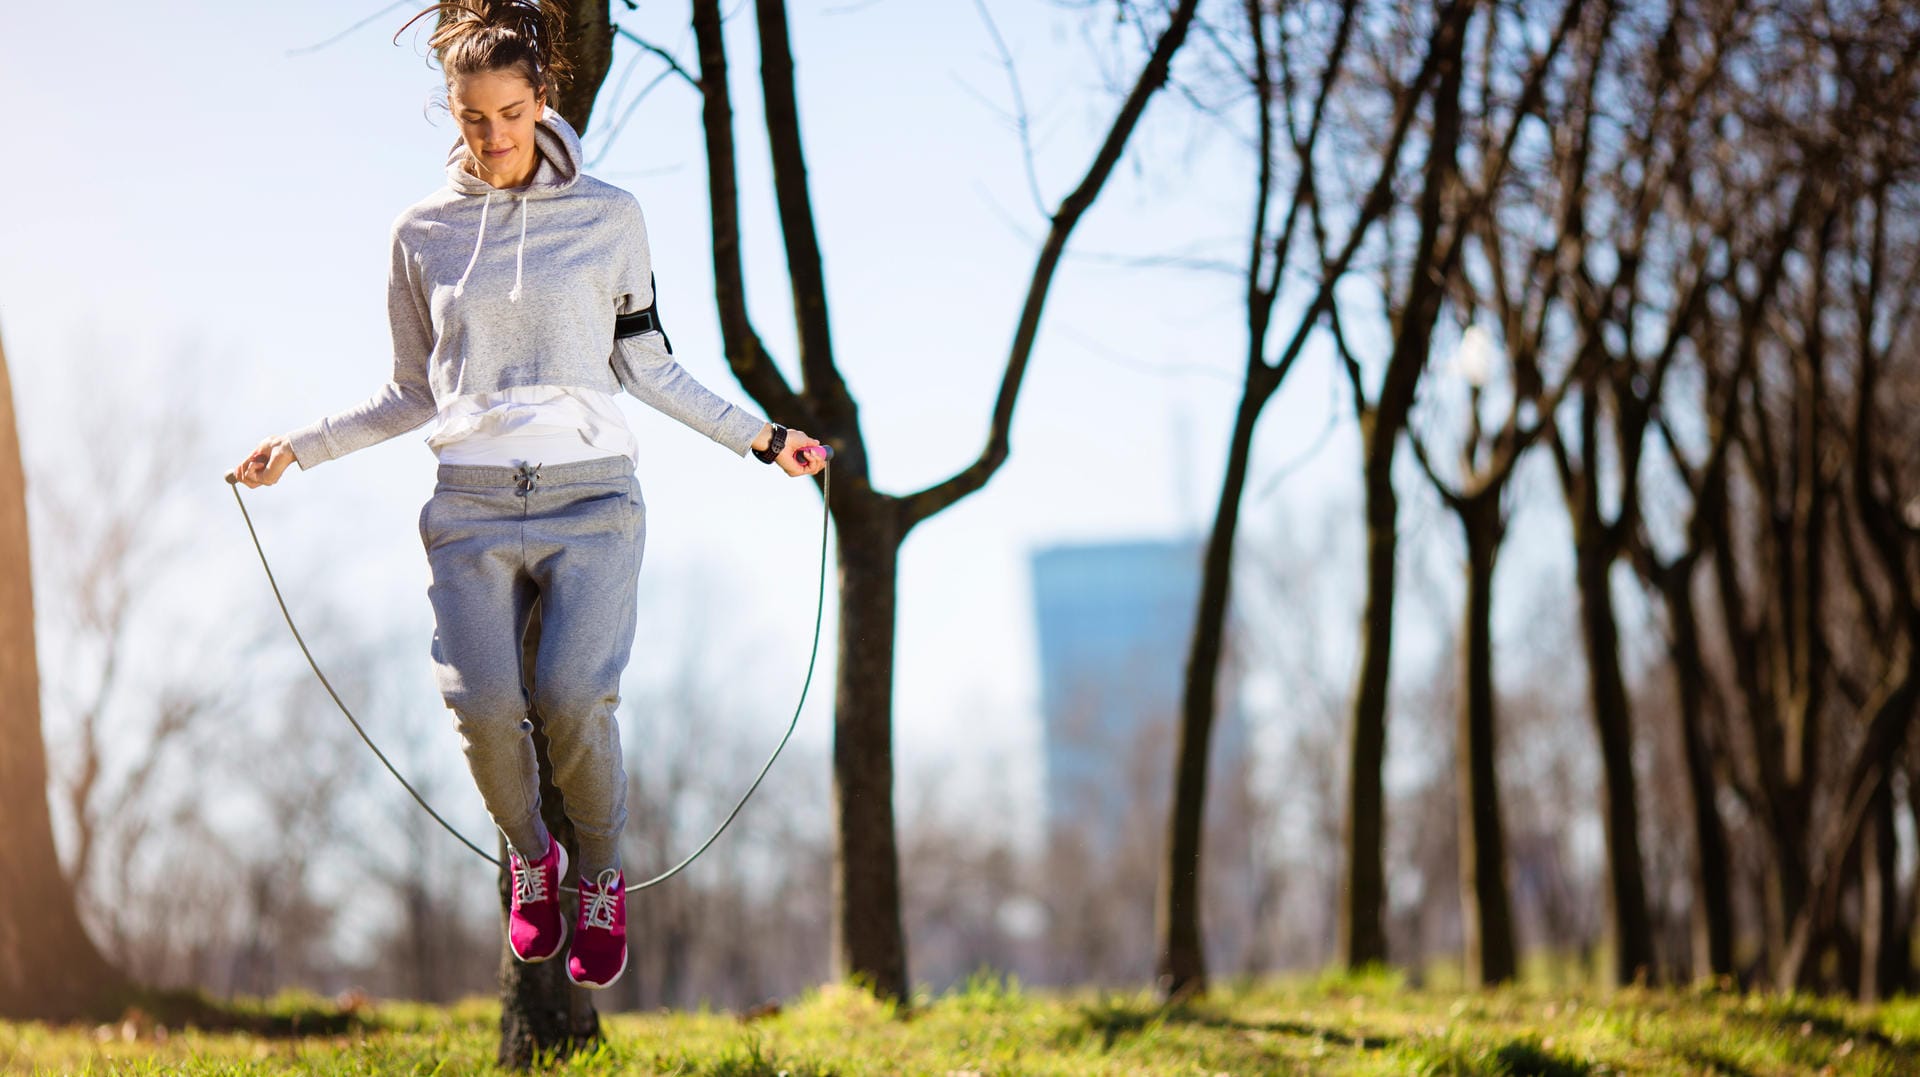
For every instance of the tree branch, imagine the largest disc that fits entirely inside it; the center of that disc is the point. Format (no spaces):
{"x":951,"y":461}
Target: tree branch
{"x":746,"y":353}
{"x":933,"y":499}
{"x":820,"y":380}
{"x":672,"y":63}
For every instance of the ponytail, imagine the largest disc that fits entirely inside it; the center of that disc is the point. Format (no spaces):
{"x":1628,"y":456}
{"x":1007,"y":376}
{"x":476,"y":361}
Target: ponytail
{"x":522,"y":36}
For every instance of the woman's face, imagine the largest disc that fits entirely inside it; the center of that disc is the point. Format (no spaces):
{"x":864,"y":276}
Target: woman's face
{"x":496,"y":111}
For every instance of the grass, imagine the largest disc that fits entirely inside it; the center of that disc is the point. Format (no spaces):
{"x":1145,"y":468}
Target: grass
{"x":1373,"y":1024}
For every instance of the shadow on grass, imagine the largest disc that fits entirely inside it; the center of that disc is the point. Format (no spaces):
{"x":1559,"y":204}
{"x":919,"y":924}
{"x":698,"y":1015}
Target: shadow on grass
{"x":1524,"y":1058}
{"x":749,"y":1058}
{"x":1112,"y":1020}
{"x":1516,"y":1058}
{"x":1716,"y":1063}
{"x":1794,"y":1018}
{"x":287,"y":1017}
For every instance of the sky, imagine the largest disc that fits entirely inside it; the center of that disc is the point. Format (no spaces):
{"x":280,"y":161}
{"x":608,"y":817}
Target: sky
{"x":198,"y":208}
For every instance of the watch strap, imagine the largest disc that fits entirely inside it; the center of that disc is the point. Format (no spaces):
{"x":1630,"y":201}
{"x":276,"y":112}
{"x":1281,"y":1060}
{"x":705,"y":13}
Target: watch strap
{"x":774,"y":444}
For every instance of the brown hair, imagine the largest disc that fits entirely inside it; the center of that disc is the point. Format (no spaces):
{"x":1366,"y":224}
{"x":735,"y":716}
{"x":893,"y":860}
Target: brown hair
{"x":521,"y":36}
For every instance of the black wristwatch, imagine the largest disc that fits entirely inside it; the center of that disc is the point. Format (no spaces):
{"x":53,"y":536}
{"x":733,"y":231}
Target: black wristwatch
{"x":774,"y":444}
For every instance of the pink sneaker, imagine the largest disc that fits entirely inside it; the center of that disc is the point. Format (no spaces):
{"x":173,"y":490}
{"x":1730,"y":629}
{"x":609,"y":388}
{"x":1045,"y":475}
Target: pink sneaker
{"x":536,"y":925}
{"x":600,"y":932}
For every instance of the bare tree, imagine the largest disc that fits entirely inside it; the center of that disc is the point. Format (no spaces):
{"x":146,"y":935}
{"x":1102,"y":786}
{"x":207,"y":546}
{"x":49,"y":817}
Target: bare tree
{"x":124,"y":728}
{"x":1280,"y":80}
{"x":49,"y":968}
{"x":1860,"y":245}
{"x":1500,"y":271}
{"x":1362,"y":933}
{"x":870,"y":524}
{"x":540,"y":1008}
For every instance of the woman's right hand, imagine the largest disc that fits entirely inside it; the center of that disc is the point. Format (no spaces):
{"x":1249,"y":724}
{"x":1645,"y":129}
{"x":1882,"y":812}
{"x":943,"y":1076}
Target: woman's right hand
{"x":265,"y":464}
{"x":792,"y":462}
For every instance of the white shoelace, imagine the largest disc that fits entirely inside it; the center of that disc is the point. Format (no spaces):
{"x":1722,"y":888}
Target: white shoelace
{"x":601,"y":901}
{"x":529,"y":882}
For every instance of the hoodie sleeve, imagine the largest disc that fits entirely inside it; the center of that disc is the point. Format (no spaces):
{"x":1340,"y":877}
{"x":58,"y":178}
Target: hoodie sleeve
{"x":648,"y":370}
{"x":406,"y":400}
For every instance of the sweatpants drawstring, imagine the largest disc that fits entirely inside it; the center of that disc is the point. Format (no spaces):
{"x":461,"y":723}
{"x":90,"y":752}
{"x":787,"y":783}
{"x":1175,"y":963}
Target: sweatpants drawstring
{"x":525,"y":477}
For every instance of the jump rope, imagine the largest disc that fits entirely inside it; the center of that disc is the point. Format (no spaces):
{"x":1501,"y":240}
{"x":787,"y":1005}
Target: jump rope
{"x":826,"y":492}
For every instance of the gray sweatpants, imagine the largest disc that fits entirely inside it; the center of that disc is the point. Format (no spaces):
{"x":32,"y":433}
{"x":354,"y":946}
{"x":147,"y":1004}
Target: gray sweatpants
{"x":570,"y":535}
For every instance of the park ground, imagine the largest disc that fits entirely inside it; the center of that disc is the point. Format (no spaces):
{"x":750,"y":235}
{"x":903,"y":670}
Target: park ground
{"x":1330,"y":1025}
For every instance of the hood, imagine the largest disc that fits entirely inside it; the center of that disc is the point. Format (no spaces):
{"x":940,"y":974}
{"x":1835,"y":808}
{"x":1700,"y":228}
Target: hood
{"x":557,"y":147}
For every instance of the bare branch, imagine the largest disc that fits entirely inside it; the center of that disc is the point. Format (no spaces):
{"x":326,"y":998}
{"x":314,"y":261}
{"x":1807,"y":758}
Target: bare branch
{"x":746,"y":352}
{"x":820,"y":379}
{"x":672,"y":63}
{"x":1021,"y":122}
{"x":1347,"y":361}
{"x":1440,"y":486}
{"x":927,"y":502}
{"x":1145,"y":366}
{"x":318,"y":45}
{"x":613,"y":133}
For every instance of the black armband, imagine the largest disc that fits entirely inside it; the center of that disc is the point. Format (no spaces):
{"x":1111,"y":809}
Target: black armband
{"x":642,"y":321}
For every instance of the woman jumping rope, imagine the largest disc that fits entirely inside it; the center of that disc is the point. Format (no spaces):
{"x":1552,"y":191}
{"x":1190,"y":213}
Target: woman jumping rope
{"x":512,"y":330}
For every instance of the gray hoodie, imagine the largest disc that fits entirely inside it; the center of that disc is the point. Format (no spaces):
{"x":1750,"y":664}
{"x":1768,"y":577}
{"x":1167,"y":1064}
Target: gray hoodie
{"x":482,"y":299}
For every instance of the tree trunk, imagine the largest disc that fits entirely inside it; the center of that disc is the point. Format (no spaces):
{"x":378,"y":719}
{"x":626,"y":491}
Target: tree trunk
{"x":1712,"y":912}
{"x":1632,"y":930}
{"x":589,"y":45}
{"x":1885,"y":739}
{"x":1182,"y":970}
{"x":867,"y":939}
{"x":1786,"y":881}
{"x":1883,"y":942}
{"x":540,"y":1009}
{"x":1911,"y":909}
{"x":1485,"y":910}
{"x":49,"y":968}
{"x":1363,"y":935}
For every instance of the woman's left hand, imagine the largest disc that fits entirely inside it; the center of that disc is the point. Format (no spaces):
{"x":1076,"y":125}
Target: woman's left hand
{"x":792,"y":462}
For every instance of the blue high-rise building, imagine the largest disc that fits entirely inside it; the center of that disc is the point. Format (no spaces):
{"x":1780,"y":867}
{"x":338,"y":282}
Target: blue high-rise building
{"x":1115,"y":622}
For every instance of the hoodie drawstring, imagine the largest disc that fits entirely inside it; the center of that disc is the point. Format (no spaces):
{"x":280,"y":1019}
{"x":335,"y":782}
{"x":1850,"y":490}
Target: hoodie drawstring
{"x":519,"y":257}
{"x":478,"y":236}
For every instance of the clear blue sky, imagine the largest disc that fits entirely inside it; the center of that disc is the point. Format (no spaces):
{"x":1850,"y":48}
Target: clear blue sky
{"x":179,"y":182}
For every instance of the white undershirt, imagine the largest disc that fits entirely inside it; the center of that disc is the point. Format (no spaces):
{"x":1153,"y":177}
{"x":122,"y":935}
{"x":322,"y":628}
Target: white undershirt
{"x":532,"y":424}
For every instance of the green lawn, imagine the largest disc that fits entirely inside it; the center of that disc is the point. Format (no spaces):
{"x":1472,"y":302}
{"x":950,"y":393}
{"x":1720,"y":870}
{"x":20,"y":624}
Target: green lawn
{"x":1333,"y":1025}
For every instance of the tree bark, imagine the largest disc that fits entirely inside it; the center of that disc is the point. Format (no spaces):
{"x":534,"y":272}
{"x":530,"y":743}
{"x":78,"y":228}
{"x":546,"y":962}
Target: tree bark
{"x":49,"y":968}
{"x":541,"y":1011}
{"x":1362,"y":932}
{"x":868,"y":943}
{"x":1486,"y":911}
{"x":1182,"y":970}
{"x":1712,"y":913}
{"x":1883,"y":939}
{"x":589,"y":48}
{"x":1892,"y":715}
{"x":1607,"y":693}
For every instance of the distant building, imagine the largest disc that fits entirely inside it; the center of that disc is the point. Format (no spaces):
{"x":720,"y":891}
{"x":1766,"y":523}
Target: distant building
{"x":1115,"y":621}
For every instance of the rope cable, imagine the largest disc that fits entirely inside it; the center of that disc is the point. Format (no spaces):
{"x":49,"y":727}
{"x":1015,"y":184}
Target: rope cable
{"x":826,"y":490}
